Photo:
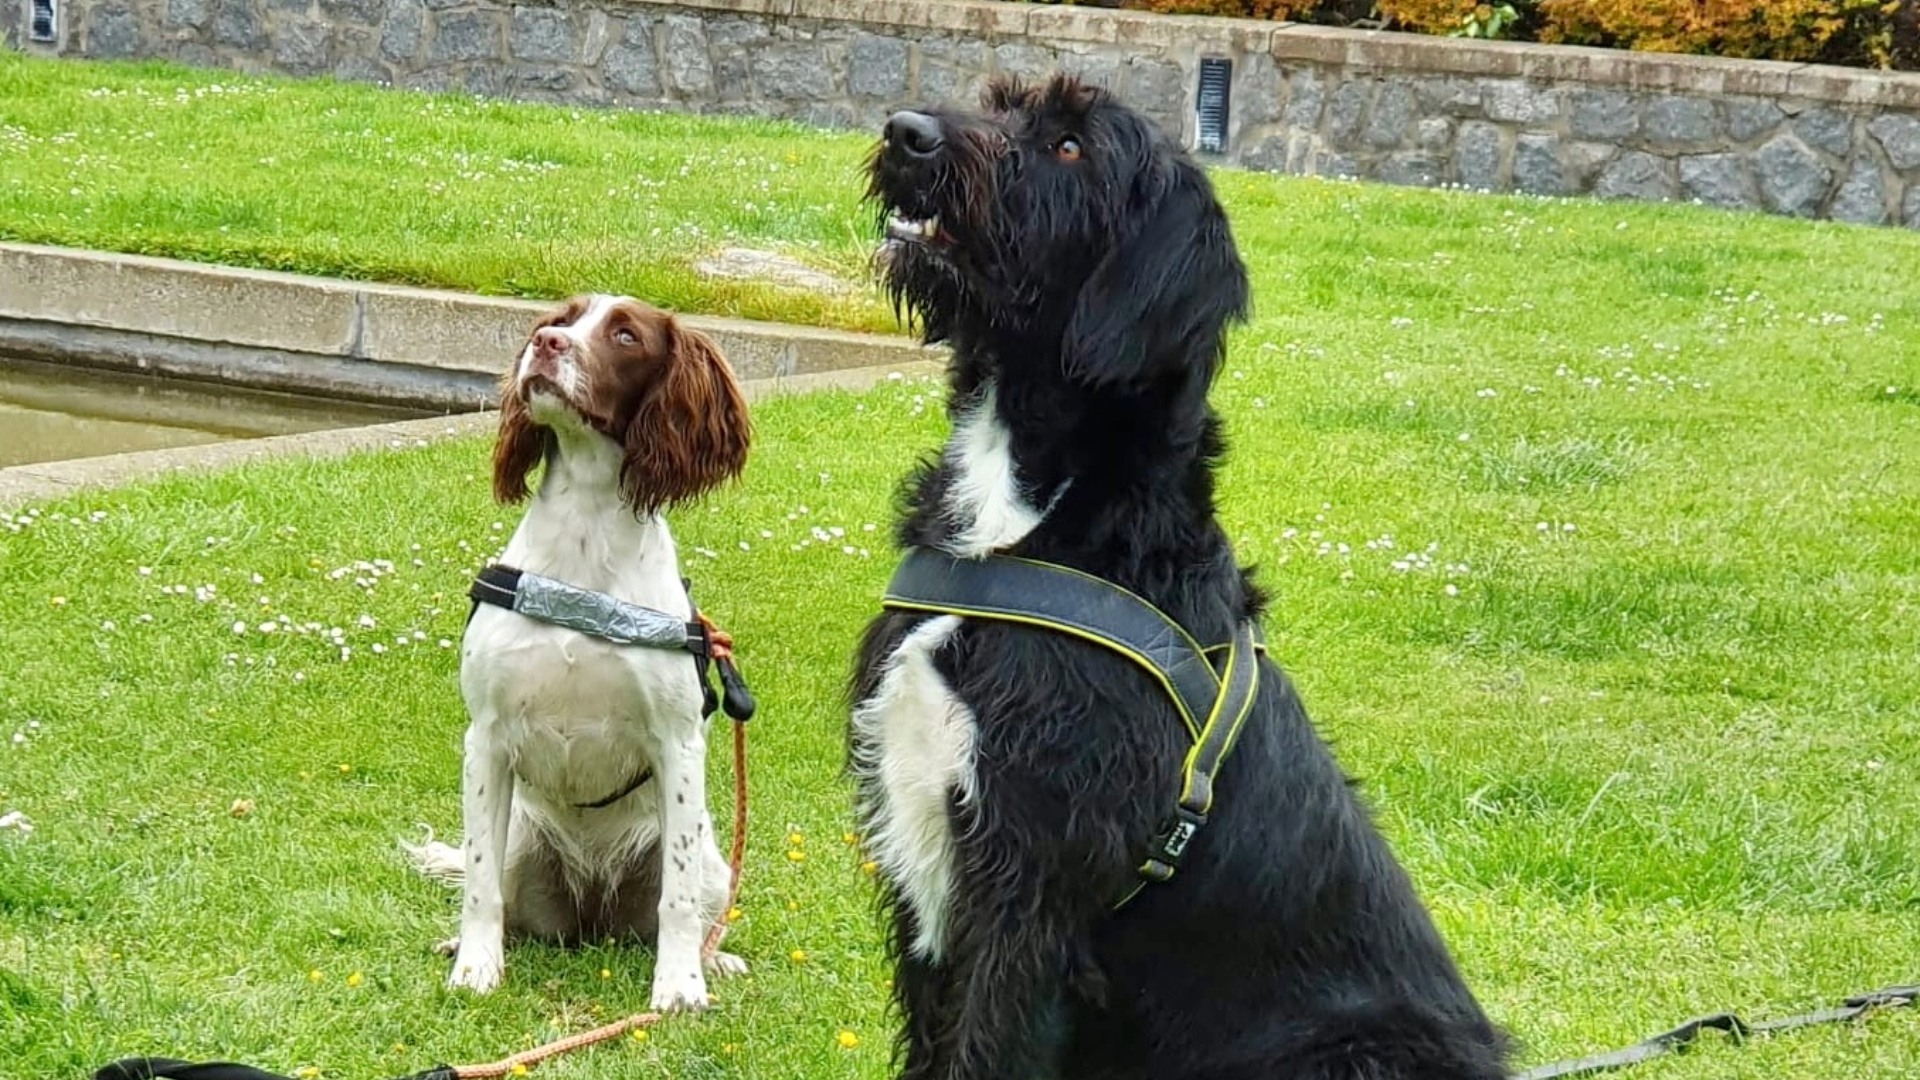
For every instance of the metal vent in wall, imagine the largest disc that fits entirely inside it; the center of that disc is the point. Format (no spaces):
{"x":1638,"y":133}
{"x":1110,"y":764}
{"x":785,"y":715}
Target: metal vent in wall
{"x":1216,"y":82}
{"x":45,"y":24}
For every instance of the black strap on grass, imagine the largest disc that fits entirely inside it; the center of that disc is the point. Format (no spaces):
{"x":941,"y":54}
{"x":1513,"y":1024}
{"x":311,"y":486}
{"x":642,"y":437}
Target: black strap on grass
{"x":1679,"y":1038}
{"x":1213,"y":702}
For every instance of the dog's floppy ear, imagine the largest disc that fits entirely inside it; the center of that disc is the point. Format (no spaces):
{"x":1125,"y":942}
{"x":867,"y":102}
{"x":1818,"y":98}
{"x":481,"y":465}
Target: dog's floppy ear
{"x":1161,"y":300}
{"x":691,"y":430}
{"x":519,"y":444}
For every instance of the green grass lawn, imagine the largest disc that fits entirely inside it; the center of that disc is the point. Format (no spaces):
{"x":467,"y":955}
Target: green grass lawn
{"x":438,"y":190}
{"x":1595,"y":538}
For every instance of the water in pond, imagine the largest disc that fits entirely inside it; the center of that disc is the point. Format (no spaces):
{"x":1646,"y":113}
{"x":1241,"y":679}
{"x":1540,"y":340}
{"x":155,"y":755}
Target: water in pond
{"x":53,"y":412}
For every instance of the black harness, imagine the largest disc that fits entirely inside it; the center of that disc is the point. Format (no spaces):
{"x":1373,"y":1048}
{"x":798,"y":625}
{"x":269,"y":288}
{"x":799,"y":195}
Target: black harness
{"x":615,"y":620}
{"x":1213,"y":687}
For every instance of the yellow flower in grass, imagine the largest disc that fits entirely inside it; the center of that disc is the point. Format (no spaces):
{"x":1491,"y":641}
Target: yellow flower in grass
{"x":796,"y":855}
{"x":734,"y":914}
{"x":307,"y":1072}
{"x":640,"y":1036}
{"x":605,"y":974}
{"x":356,"y":979}
{"x":869,"y":868}
{"x":796,"y":838}
{"x":518,"y":1070}
{"x":315,"y":976}
{"x":847,"y":1039}
{"x":798,"y":956}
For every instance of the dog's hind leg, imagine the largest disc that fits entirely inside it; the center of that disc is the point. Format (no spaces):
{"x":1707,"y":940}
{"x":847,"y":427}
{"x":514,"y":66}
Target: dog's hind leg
{"x":716,"y":882}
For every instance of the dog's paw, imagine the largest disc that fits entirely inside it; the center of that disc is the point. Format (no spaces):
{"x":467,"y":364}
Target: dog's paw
{"x":726,"y":965}
{"x":449,"y":947}
{"x":679,"y":994}
{"x":477,"y":970}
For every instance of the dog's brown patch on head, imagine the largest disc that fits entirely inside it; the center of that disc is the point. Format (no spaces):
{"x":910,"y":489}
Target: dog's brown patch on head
{"x":660,"y":389}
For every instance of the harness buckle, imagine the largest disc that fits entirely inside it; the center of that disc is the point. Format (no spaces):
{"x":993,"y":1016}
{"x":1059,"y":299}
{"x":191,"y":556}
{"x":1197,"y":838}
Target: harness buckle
{"x":1170,"y":843}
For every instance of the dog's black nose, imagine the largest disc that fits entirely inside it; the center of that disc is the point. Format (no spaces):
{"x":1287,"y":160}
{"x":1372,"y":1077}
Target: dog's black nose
{"x":916,"y":133}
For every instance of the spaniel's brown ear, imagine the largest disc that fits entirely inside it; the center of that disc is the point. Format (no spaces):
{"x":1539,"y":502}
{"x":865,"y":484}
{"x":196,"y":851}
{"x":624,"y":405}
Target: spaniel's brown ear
{"x":519,"y":446}
{"x":691,"y":430}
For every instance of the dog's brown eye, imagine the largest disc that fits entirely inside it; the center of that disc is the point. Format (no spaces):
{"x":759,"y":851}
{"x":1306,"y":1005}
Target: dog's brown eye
{"x":1068,"y":149}
{"x":624,"y":336}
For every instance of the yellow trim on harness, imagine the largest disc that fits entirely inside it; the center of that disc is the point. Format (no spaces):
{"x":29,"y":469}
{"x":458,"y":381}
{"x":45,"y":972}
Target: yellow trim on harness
{"x":932,"y":583}
{"x":1139,"y":658}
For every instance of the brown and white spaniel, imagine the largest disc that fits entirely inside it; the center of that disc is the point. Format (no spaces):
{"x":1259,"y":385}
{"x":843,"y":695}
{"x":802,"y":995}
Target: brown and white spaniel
{"x":584,"y":792}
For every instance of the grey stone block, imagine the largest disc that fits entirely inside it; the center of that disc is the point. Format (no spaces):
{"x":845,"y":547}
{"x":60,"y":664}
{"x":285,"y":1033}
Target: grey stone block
{"x":1345,"y":111}
{"x":1101,"y":69}
{"x":877,"y":66}
{"x":1750,"y":118}
{"x":1306,"y":96}
{"x":1259,"y":94}
{"x":1825,"y":129}
{"x":1676,"y":120}
{"x":951,"y":70}
{"x":1900,"y":135}
{"x":1602,"y":114}
{"x":1391,"y":114}
{"x":402,"y":29}
{"x":1862,"y":197}
{"x":236,"y":23}
{"x":1027,"y":60}
{"x":1269,"y":155}
{"x":689,"y":68}
{"x":1518,"y":101}
{"x":298,"y":7}
{"x":1451,"y":96}
{"x":359,"y":66}
{"x":1434,"y":133}
{"x":113,"y":33}
{"x":466,"y":35}
{"x":195,"y":54}
{"x":1910,"y":207}
{"x":544,"y":34}
{"x":364,"y":12}
{"x":486,"y":80}
{"x":1157,"y":88}
{"x":1476,"y":155}
{"x":792,"y":71}
{"x":1635,"y":175}
{"x":1584,"y":160}
{"x":1536,"y":165}
{"x":1409,"y":168}
{"x":541,"y":81}
{"x":185,"y":13}
{"x":1721,"y":180}
{"x":1335,"y":164}
{"x":301,"y":47}
{"x":727,"y":34}
{"x":630,"y":67}
{"x":443,"y":5}
{"x":825,"y":115}
{"x":1793,"y":179}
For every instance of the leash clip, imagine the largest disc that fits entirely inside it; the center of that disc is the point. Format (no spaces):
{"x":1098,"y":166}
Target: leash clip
{"x":1170,"y":843}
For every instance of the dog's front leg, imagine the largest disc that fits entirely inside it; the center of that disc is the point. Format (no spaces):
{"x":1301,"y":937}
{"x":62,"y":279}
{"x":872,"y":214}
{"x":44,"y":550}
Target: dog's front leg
{"x":486,"y":789}
{"x":678,"y":981}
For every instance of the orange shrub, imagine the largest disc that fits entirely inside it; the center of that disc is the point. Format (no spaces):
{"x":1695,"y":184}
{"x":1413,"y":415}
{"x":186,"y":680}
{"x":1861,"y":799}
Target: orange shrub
{"x":1761,"y":29}
{"x":1430,"y":16}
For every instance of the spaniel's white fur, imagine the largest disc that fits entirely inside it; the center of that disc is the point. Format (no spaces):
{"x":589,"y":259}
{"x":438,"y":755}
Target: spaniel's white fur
{"x":561,"y":719}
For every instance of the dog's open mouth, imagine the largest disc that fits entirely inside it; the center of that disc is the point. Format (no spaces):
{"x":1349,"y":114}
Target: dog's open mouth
{"x":927,"y":232}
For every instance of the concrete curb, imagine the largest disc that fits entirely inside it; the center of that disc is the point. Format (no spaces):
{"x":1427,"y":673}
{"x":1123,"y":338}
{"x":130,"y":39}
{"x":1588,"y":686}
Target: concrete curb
{"x":293,"y":314}
{"x":24,"y":484}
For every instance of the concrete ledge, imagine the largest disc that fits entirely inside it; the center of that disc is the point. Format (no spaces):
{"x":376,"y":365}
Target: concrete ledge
{"x":387,"y":324}
{"x":52,"y":480}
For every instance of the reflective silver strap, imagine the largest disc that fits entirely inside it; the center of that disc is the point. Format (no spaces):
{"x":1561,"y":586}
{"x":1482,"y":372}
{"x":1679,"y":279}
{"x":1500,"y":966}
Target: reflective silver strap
{"x":598,"y":614}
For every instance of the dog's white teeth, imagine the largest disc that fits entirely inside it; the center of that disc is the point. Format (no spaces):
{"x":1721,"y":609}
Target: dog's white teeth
{"x":910,"y":229}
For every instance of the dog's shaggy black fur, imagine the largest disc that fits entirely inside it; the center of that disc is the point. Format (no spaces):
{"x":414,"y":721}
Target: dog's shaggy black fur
{"x":1082,"y":267}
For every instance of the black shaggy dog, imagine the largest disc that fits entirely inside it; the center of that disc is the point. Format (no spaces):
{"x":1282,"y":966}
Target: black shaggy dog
{"x":1010,"y":777}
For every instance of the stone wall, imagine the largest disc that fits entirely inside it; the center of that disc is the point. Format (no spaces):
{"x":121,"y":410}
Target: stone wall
{"x":1794,"y":139}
